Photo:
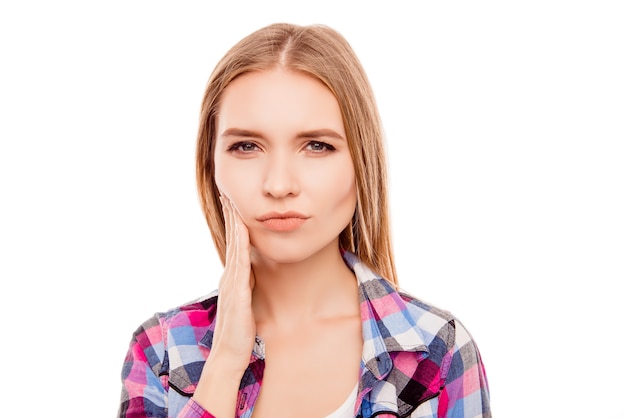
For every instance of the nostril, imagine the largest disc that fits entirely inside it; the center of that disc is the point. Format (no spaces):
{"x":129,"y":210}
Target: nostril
{"x":280,"y":181}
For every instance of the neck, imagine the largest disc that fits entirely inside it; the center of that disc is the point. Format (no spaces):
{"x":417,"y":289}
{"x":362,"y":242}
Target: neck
{"x":317,"y":288}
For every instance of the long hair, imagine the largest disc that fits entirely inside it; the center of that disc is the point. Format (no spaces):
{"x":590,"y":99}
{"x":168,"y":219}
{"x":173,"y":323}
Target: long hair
{"x":324,"y":54}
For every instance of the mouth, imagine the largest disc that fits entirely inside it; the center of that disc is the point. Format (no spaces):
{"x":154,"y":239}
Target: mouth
{"x":282,"y":222}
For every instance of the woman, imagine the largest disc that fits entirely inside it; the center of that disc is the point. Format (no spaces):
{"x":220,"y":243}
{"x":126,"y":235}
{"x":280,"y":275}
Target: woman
{"x":309,"y":321}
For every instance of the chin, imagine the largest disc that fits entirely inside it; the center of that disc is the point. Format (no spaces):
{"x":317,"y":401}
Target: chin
{"x":286,"y":251}
{"x":279,"y":255}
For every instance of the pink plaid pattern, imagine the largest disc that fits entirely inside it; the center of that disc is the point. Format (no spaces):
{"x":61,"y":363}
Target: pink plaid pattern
{"x":418,"y":361}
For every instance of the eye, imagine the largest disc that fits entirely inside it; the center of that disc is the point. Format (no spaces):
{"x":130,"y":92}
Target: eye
{"x":243,"y":146}
{"x":318,"y":146}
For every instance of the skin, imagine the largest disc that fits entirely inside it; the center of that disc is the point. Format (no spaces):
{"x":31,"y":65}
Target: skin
{"x":281,"y":148}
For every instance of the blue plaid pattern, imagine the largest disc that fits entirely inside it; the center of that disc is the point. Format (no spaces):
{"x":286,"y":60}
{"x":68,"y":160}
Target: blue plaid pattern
{"x":418,"y":361}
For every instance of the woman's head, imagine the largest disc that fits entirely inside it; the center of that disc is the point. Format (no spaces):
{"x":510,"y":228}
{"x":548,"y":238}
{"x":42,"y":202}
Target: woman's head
{"x":322,"y":54}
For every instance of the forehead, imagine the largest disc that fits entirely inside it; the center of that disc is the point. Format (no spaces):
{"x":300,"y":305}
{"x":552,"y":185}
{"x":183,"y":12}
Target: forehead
{"x":278,"y":98}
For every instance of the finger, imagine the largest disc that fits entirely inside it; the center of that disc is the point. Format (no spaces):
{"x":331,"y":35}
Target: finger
{"x":243,"y":248}
{"x":242,"y":240}
{"x":237,"y":261}
{"x":231,"y":236}
{"x":237,"y":248}
{"x":237,"y":232}
{"x":229,"y":229}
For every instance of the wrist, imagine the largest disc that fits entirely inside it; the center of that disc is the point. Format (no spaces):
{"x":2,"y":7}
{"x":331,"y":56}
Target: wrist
{"x":218,"y":387}
{"x":223,"y":362}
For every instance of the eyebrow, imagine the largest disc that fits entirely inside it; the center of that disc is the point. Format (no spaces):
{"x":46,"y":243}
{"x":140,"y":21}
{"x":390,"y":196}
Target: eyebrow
{"x":316,"y":133}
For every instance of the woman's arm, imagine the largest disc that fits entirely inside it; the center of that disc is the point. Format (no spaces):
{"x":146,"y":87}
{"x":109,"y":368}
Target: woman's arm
{"x":143,"y":391}
{"x":465,"y":392}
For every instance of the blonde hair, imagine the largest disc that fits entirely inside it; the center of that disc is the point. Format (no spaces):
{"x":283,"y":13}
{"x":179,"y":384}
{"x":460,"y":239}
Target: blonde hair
{"x":324,"y":54}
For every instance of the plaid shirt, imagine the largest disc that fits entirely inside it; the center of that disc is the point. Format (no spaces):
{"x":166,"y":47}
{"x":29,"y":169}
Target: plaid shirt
{"x":418,"y":361}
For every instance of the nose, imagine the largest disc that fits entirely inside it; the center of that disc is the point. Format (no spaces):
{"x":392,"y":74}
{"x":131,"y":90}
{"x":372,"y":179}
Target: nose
{"x":281,"y":179}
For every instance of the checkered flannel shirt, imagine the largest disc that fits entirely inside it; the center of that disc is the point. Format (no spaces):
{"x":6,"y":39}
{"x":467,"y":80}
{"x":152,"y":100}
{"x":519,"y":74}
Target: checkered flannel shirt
{"x":418,"y":361}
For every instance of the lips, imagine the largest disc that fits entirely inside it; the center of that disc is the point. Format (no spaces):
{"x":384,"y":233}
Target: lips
{"x":282,"y":222}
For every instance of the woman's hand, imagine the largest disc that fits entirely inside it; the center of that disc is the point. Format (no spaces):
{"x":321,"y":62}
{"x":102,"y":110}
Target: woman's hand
{"x":235,"y":329}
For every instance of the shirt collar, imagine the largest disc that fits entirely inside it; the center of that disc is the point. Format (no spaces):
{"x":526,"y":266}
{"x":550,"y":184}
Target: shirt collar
{"x":387,"y":325}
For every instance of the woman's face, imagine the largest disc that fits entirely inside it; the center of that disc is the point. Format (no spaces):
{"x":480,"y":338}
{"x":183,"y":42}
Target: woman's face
{"x":282,"y":158}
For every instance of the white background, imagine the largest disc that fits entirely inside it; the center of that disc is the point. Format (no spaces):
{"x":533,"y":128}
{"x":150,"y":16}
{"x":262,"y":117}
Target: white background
{"x":505,"y":124}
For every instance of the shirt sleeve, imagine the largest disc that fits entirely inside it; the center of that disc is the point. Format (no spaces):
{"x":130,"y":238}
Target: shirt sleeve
{"x":145,"y":379}
{"x":466,"y":391}
{"x":194,"y":410}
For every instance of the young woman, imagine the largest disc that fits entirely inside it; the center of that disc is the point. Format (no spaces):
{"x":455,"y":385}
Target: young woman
{"x":308,"y":319}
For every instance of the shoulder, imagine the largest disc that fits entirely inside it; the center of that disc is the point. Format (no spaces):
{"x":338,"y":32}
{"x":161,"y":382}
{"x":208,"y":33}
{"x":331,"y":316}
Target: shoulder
{"x":449,"y":343}
{"x":446,"y":344}
{"x":423,"y":310}
{"x":452,"y":358}
{"x":435,"y":324}
{"x":175,"y":343}
{"x":450,"y":363}
{"x":198,"y":313}
{"x":426,"y":351}
{"x":430,"y":320}
{"x":204,"y":304}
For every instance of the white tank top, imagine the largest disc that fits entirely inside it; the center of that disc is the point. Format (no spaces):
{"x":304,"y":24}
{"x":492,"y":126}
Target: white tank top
{"x":346,"y":410}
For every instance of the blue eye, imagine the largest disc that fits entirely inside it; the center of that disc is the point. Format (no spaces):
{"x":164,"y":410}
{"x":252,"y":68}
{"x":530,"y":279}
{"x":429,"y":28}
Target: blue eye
{"x":243,"y":147}
{"x":318,"y":146}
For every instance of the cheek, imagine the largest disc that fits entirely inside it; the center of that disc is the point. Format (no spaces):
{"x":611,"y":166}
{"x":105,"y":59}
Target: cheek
{"x":219,"y":179}
{"x":347,"y":175}
{"x":350,"y":196}
{"x":237,"y":183}
{"x":337,"y":185}
{"x":227,"y":177}
{"x":225,"y":180}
